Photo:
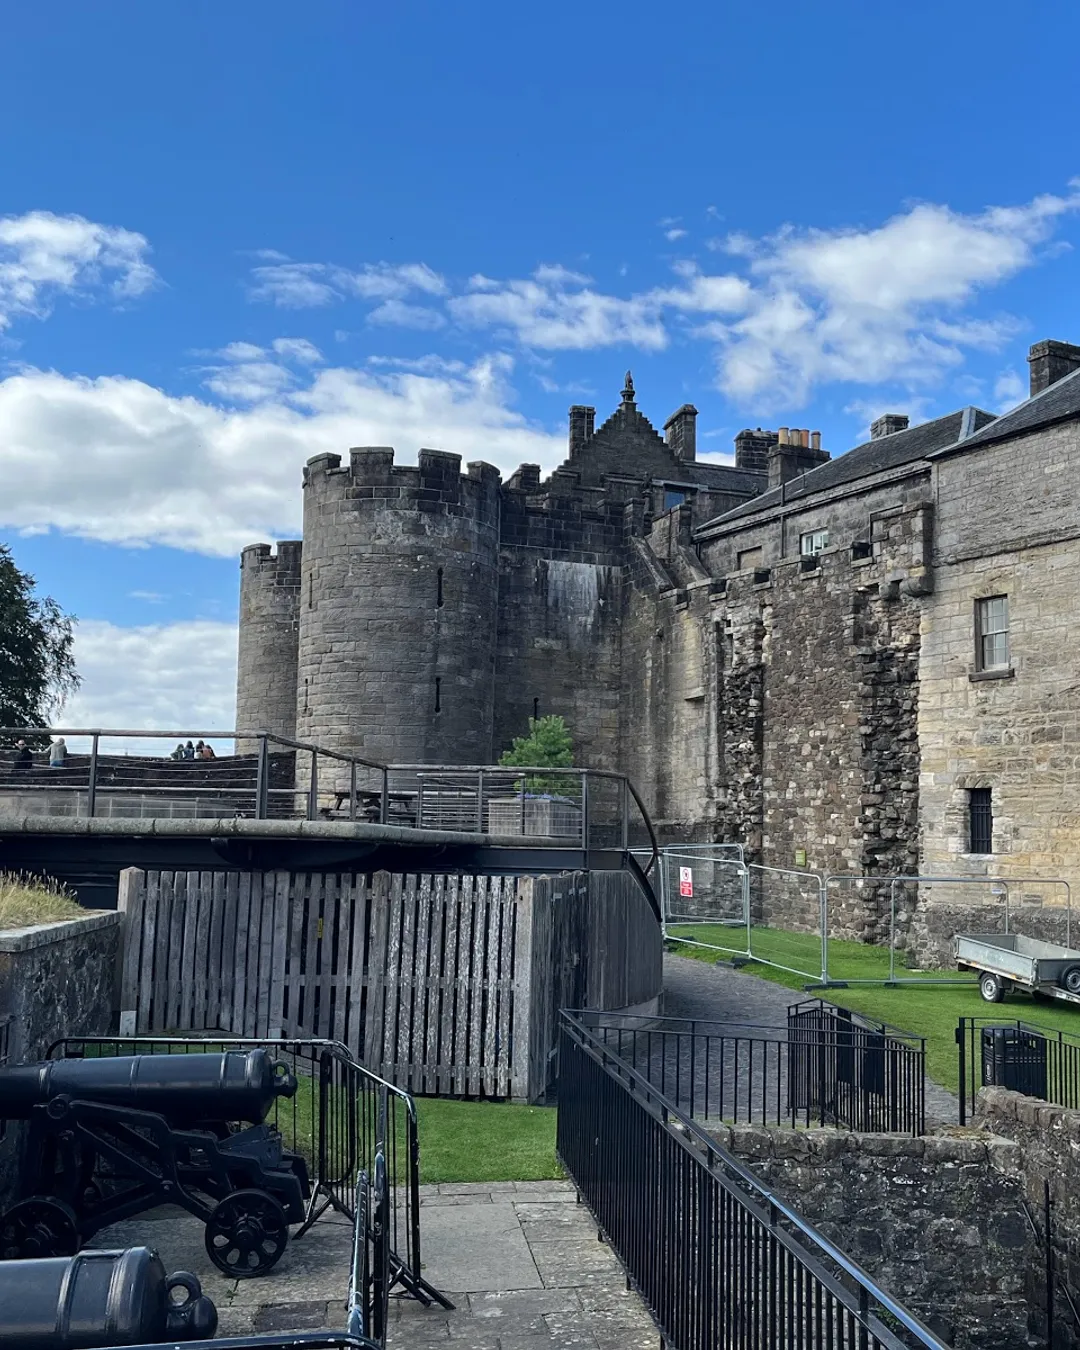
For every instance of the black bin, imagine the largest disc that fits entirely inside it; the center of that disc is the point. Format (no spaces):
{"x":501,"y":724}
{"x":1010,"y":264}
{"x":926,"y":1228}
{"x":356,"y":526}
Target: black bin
{"x":1014,"y":1058}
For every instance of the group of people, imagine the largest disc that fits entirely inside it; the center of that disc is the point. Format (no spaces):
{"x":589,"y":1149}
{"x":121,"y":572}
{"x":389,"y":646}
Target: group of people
{"x":24,"y":757}
{"x":198,"y":751}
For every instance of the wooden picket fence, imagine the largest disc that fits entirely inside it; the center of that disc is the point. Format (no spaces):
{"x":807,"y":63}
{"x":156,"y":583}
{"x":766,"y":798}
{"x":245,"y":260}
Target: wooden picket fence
{"x":427,"y":979}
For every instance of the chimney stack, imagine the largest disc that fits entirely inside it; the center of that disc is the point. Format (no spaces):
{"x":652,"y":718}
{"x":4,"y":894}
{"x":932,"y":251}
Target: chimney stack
{"x":1051,"y":361}
{"x":796,"y":452}
{"x":886,"y":424}
{"x":752,"y":449}
{"x":680,"y":433}
{"x":582,"y":421}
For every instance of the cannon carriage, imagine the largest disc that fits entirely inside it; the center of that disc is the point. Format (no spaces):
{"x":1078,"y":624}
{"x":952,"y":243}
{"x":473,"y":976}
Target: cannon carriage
{"x":112,"y":1137}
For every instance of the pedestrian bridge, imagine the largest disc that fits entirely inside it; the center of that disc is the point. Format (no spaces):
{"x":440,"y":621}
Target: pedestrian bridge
{"x":266,"y":802}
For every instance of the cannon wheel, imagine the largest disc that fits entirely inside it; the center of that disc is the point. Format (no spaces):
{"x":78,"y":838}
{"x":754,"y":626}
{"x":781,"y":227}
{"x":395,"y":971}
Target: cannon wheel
{"x":246,"y":1234}
{"x":39,"y":1227}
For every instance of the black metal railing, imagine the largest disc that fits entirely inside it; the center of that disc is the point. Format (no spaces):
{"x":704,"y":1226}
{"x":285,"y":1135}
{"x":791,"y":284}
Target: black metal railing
{"x":263,"y":776}
{"x":341,"y":1118}
{"x":827,"y":1067}
{"x":1039,"y":1061}
{"x":717,"y":1256}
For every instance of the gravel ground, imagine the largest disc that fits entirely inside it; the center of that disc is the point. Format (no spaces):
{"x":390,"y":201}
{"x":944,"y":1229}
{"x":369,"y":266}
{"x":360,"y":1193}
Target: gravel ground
{"x":696,"y":989}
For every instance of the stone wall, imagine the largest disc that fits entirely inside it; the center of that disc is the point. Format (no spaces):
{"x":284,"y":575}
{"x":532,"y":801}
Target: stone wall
{"x":56,"y":980}
{"x":269,"y":634}
{"x":935,"y":924}
{"x":938,"y":1222}
{"x":1049,"y":1140}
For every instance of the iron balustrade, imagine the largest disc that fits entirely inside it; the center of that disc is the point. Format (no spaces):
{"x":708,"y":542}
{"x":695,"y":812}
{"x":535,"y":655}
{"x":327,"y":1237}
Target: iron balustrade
{"x":274,"y":776}
{"x":342,"y":1117}
{"x":718,"y":1257}
{"x":827,"y":1067}
{"x":1039,"y":1061}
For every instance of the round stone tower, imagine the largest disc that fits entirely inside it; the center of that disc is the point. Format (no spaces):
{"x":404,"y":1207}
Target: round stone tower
{"x":269,"y":638}
{"x":398,"y":593}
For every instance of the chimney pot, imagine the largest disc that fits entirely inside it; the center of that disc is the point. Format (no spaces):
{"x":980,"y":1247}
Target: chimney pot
{"x":782,"y":436}
{"x":815,"y":440}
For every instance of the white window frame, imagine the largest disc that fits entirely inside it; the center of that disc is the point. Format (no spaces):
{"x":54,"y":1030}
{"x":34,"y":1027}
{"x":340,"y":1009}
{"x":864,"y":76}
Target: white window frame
{"x":813,"y":542}
{"x":992,"y":633}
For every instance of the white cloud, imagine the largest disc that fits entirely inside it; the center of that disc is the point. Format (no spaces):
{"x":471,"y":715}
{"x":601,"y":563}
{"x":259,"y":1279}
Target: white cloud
{"x":191,"y":474}
{"x":170,"y":676}
{"x":297,"y":349}
{"x":293,"y":285}
{"x":672,"y":235}
{"x":43,"y":255}
{"x":1009,"y":390}
{"x":543,"y":311}
{"x":403,"y":315}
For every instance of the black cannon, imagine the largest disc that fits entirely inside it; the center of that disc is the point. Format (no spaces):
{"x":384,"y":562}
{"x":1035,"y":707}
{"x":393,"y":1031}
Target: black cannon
{"x":100,"y":1299}
{"x":108,"y":1138}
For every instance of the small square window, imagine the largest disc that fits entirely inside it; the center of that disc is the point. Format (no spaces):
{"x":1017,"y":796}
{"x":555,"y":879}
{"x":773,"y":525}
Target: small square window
{"x":980,"y":821}
{"x":673,"y":499}
{"x":992,"y":633}
{"x":813,"y":543}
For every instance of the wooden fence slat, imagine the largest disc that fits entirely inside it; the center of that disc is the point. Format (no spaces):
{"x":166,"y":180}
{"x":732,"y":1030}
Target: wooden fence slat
{"x":490,"y":1002}
{"x":466,"y":912}
{"x":327,"y":931}
{"x":177,"y":950}
{"x":392,"y":986}
{"x":405,"y":1068}
{"x":213,"y":971}
{"x":523,"y":944}
{"x":477,"y":990}
{"x":346,"y":900}
{"x":311,"y":951}
{"x":243,"y":942}
{"x":229,"y":925}
{"x":357,"y":996}
{"x":444,"y":935}
{"x":376,"y":970}
{"x":294,"y":983}
{"x":130,"y":902}
{"x":508,"y":910}
{"x":279,"y":946}
{"x":425,"y":965}
{"x":201,"y":955}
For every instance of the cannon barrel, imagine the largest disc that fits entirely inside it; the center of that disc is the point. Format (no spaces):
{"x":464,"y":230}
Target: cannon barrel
{"x":99,"y":1299}
{"x":185,"y":1089}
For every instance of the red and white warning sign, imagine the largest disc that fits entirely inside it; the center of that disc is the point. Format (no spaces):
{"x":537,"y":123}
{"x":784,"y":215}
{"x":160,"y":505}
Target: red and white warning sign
{"x":686,"y":882}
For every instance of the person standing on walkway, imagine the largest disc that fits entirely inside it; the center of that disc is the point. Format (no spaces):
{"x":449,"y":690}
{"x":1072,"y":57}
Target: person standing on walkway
{"x":24,"y":760}
{"x":57,"y":753}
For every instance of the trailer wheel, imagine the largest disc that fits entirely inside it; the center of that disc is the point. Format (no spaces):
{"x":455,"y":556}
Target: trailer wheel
{"x":992,"y":987}
{"x":1070,"y":979}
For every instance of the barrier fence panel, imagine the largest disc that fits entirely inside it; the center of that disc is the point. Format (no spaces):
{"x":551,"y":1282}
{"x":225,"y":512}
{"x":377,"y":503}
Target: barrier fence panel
{"x":1023,"y":1056}
{"x":713,"y":899}
{"x":339,"y":1119}
{"x":717,"y":1258}
{"x":828,"y":1066}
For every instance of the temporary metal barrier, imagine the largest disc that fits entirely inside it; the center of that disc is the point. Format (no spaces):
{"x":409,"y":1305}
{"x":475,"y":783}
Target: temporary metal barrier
{"x":341,"y":1117}
{"x":1039,"y":1061}
{"x":718,"y":1257}
{"x":999,"y":886}
{"x":828,"y":1066}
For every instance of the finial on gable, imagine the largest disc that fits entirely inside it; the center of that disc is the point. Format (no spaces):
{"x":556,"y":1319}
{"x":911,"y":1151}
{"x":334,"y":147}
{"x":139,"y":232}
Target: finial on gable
{"x":628,"y":389}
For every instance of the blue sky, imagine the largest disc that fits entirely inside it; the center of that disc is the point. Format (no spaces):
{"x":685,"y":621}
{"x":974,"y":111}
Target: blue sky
{"x":233,"y":236}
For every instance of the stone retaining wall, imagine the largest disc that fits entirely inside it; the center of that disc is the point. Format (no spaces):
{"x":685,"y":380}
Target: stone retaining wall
{"x":56,"y":980}
{"x":938,"y":1222}
{"x":934,"y":925}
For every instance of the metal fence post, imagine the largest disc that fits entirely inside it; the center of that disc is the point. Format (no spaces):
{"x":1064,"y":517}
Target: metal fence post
{"x":480,"y":801}
{"x":961,"y":1067}
{"x":313,"y":788}
{"x":384,"y":801}
{"x":625,"y":801}
{"x":352,"y":789}
{"x":585,"y":810}
{"x":262,"y":778}
{"x":824,"y":886}
{"x":91,"y":786}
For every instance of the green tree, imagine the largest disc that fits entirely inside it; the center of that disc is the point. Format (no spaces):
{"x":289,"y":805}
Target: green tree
{"x":37,"y":664}
{"x":548,"y":745}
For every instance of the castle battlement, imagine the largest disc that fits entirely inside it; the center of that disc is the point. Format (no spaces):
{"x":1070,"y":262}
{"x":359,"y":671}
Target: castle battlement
{"x":281,"y":565}
{"x":436,"y":478}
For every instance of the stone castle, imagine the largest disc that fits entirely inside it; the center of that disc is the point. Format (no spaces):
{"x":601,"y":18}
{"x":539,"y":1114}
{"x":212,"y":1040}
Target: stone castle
{"x":859,"y":664}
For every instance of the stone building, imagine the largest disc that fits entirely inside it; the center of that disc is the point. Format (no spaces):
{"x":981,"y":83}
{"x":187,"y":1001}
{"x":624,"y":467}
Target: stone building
{"x":859,"y":664}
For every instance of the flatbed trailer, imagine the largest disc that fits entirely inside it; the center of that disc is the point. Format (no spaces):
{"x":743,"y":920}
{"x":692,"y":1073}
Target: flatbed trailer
{"x":1006,"y":961}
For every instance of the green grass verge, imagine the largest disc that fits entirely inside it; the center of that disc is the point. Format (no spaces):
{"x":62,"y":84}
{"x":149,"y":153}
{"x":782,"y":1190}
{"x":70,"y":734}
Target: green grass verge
{"x":485,"y":1141}
{"x":927,"y":1010}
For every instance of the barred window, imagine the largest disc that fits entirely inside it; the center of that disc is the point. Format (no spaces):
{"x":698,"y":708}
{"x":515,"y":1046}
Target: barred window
{"x":992,"y":633}
{"x":980,"y":821}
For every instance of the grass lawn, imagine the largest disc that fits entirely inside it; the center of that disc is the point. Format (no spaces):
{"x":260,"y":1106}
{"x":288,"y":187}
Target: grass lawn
{"x":485,"y":1141}
{"x":927,"y":1011}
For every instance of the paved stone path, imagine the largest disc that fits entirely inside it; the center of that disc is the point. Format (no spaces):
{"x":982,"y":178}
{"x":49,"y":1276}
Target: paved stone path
{"x":520,"y":1260}
{"x":697,"y":989}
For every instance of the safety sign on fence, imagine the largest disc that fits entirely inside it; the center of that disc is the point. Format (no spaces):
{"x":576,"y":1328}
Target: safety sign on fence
{"x":686,"y":882}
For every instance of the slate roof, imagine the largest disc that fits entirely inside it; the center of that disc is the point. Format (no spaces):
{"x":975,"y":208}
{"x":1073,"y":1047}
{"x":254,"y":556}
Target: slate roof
{"x":1060,"y":401}
{"x":872,"y":457}
{"x":719,"y":477}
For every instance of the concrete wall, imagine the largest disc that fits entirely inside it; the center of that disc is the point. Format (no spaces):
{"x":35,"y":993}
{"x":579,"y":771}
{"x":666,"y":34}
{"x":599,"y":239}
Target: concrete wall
{"x":938,"y":1222}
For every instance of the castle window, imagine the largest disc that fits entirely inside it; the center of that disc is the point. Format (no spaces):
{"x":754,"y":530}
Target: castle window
{"x":992,"y":633}
{"x":536,"y":710}
{"x":980,"y":821}
{"x":673,"y":498}
{"x":810,"y":545}
{"x":438,"y":591}
{"x":438,"y":694}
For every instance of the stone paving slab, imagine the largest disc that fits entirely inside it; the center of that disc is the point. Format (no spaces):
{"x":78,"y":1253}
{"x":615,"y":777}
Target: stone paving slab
{"x":520,"y":1261}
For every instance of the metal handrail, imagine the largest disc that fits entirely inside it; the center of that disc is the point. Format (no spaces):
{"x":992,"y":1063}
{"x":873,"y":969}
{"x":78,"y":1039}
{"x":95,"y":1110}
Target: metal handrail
{"x":692,"y":1133}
